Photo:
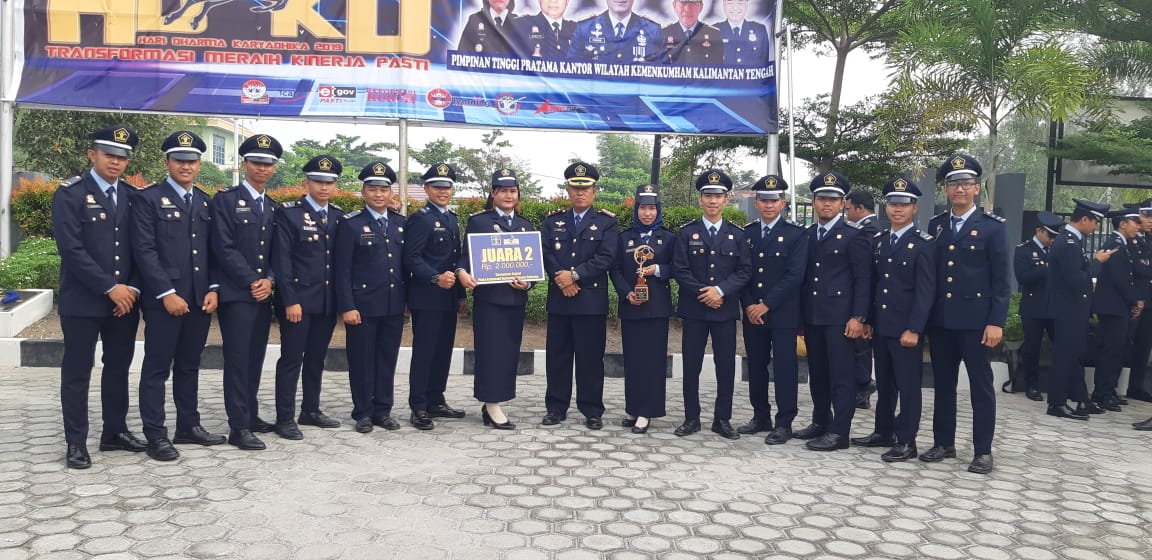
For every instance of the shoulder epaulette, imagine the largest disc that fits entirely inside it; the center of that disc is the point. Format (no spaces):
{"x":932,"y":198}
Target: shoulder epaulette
{"x":556,"y":211}
{"x":735,"y":226}
{"x":201,"y":191}
{"x":1024,"y":243}
{"x":424,"y":210}
{"x":478,"y":212}
{"x":607,"y":213}
{"x":940,"y":215}
{"x":791,"y":223}
{"x":879,"y":233}
{"x":853,"y":225}
{"x":1073,"y":241}
{"x":338,"y":210}
{"x":226,"y":189}
{"x":395,"y":213}
{"x":451,"y":211}
{"x":926,"y":236}
{"x":352,"y":214}
{"x":750,"y":224}
{"x":290,"y":204}
{"x":995,"y":217}
{"x":72,"y":181}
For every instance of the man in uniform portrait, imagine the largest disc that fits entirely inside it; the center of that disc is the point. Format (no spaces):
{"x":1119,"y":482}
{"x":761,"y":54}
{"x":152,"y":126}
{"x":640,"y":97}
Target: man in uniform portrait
{"x":616,"y":35}
{"x":546,"y":34}
{"x":689,"y":40}
{"x":746,"y":43}
{"x":490,"y":30}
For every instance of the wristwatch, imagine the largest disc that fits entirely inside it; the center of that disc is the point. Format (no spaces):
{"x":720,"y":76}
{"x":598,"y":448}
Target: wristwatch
{"x":863,"y":320}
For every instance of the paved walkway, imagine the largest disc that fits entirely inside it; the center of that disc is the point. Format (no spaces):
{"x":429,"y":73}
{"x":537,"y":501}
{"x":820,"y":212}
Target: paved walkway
{"x":1061,"y":489}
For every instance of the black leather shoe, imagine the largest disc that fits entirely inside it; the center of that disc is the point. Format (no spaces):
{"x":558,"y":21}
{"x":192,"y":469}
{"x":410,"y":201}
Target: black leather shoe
{"x":755,"y":426}
{"x":724,"y":428}
{"x":199,"y":436}
{"x":318,"y":419}
{"x":123,"y":441}
{"x":1033,"y":393}
{"x":1144,"y":426}
{"x":827,"y":442}
{"x":628,"y":422}
{"x":288,"y":429}
{"x":77,"y":456}
{"x":488,"y":421}
{"x":551,"y":419}
{"x":688,"y":427}
{"x":937,"y":454}
{"x":1088,"y":408}
{"x":444,"y":411}
{"x":421,"y":421}
{"x":874,"y":440}
{"x":245,"y":439}
{"x":981,"y":464}
{"x":1118,"y":399}
{"x":637,"y":429}
{"x":779,"y":435}
{"x":813,"y":431}
{"x":1140,"y":395}
{"x":899,"y":453}
{"x":1066,"y":412}
{"x":161,"y":450}
{"x":259,"y":426}
{"x":594,"y":423}
{"x":1109,"y":405}
{"x":386,"y":422}
{"x":363,"y":425}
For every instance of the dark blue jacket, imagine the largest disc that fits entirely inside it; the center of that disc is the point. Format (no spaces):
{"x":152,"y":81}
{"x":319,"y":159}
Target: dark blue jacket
{"x":778,"y":263}
{"x":700,"y":263}
{"x":704,"y":47}
{"x":302,"y":257}
{"x":241,"y":243}
{"x":488,"y":221}
{"x":1069,"y":279}
{"x":594,"y":38}
{"x":432,"y":247}
{"x":170,"y":244}
{"x":1116,"y":292}
{"x":94,"y":245}
{"x":1141,"y":249}
{"x":751,"y":48}
{"x":534,"y":34}
{"x":838,"y":278}
{"x":1030,"y":265}
{"x":905,"y":282}
{"x":589,"y":250}
{"x":971,"y":272}
{"x":370,"y":265}
{"x":659,"y":304}
{"x":482,"y":35}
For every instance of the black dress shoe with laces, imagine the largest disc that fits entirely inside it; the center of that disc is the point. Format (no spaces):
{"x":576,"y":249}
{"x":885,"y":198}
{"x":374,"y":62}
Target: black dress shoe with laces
{"x":160,"y":449}
{"x":828,"y":442}
{"x":444,"y":411}
{"x":1066,"y":411}
{"x":755,"y":426}
{"x":813,"y":431}
{"x":1109,"y":405}
{"x":77,"y":456}
{"x":688,"y":427}
{"x":1089,"y":408}
{"x":874,"y":440}
{"x":318,"y":419}
{"x":259,"y":426}
{"x":899,"y":453}
{"x":386,"y":422}
{"x":1144,"y":426}
{"x":779,"y":435}
{"x":551,"y":419}
{"x":724,"y":428}
{"x":123,"y":441}
{"x":421,"y":421}
{"x":288,"y":429}
{"x":245,"y":439}
{"x":1033,"y":393}
{"x":594,"y":423}
{"x":363,"y":425}
{"x":937,"y":454}
{"x":199,"y":436}
{"x":1118,"y":399}
{"x":981,"y":464}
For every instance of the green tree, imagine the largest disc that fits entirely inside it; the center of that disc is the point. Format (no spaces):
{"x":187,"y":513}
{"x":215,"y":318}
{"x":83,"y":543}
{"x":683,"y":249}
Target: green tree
{"x":1123,"y":50}
{"x":624,"y":162}
{"x":212,"y":176}
{"x":1126,"y":148}
{"x":352,"y":152}
{"x":474,"y":166}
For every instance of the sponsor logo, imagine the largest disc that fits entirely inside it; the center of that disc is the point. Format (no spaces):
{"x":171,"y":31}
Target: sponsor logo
{"x":507,"y":104}
{"x":549,"y":107}
{"x":254,"y":91}
{"x":378,"y":95}
{"x":337,"y":92}
{"x":439,"y":98}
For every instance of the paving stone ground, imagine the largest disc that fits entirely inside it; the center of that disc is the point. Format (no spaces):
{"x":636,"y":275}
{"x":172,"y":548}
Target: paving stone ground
{"x":1061,"y":489}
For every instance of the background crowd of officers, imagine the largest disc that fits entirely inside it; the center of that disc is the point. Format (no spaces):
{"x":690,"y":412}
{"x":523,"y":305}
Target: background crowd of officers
{"x":854,"y":293}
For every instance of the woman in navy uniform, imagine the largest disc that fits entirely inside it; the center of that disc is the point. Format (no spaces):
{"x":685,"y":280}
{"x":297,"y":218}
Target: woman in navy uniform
{"x":370,"y":295}
{"x":90,"y":216}
{"x":497,"y":309}
{"x":305,"y":299}
{"x":1030,"y":265}
{"x":644,"y":324}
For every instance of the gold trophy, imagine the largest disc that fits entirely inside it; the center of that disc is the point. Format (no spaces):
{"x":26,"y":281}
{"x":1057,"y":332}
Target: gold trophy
{"x":643,"y":254}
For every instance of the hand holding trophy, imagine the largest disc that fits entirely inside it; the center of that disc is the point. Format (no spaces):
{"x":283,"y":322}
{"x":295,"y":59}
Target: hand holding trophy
{"x":643,"y":254}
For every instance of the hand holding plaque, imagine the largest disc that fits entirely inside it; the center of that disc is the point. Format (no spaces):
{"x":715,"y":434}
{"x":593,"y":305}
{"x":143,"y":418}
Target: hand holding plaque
{"x":643,"y":254}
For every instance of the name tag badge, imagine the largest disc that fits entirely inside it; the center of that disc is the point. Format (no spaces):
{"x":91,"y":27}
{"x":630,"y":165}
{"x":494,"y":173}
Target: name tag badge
{"x":242,"y":210}
{"x":310,"y":228}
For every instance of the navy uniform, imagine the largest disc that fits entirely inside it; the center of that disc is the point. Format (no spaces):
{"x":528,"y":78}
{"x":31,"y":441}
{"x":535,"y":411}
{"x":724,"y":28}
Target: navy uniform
{"x":779,"y":253}
{"x":836,"y":290}
{"x":602,"y":38}
{"x":1030,"y":265}
{"x":697,"y":46}
{"x":584,"y":244}
{"x":644,"y":327}
{"x":488,"y":33}
{"x":370,"y":278}
{"x":302,"y":260}
{"x":90,"y":222}
{"x":972,"y":293}
{"x":243,"y":231}
{"x":541,"y":37}
{"x":710,"y":255}
{"x":745,"y":44}
{"x":1141,"y":331}
{"x":171,"y":226}
{"x":904,"y":287}
{"x":431,"y":249}
{"x":862,"y":347}
{"x":1115,"y":301}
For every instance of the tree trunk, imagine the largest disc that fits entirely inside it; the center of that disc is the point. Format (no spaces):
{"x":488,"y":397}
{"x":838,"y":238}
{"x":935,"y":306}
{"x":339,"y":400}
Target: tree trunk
{"x":842,"y":51}
{"x":993,"y":165}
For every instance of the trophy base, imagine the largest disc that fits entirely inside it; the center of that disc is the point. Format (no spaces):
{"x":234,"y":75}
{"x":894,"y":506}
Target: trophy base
{"x":641,"y":293}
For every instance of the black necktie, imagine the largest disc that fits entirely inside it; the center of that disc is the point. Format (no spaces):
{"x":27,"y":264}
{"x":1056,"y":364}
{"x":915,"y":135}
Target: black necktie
{"x":383,"y":223}
{"x":556,"y":30}
{"x":736,"y":31}
{"x":111,"y":192}
{"x":260,"y":205}
{"x":324,"y":218}
{"x":619,"y":31}
{"x":508,"y":221}
{"x":895,"y":238}
{"x":499,"y":21}
{"x":820,"y":233}
{"x":1045,"y":249}
{"x":576,"y":220}
{"x":712,"y":232}
{"x":956,"y":221}
{"x":188,"y":200}
{"x":644,"y":237}
{"x":764,"y":232}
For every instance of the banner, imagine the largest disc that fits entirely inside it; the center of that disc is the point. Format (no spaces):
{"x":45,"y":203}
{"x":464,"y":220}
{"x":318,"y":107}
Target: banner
{"x":499,"y":258}
{"x":626,"y":65}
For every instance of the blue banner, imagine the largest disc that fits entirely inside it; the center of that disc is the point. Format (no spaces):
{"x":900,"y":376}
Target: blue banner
{"x":499,"y":258}
{"x":658,"y":66}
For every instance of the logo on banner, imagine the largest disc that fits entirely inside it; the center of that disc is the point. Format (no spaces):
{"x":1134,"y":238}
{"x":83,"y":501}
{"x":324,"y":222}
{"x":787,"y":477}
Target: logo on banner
{"x":507,"y":104}
{"x":336,"y":94}
{"x":254,"y":91}
{"x":439,"y":98}
{"x":549,"y":107}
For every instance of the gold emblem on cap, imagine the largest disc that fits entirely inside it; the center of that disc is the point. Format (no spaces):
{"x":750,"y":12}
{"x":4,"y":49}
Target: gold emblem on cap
{"x":120,"y":135}
{"x":829,"y":180}
{"x":647,"y":188}
{"x":185,"y":139}
{"x":958,"y":163}
{"x":442,"y":170}
{"x":713,"y":178}
{"x":263,"y":141}
{"x":325,"y":164}
{"x":770,"y":182}
{"x":378,"y":169}
{"x":505,"y":172}
{"x":900,"y":185}
{"x":581,"y":170}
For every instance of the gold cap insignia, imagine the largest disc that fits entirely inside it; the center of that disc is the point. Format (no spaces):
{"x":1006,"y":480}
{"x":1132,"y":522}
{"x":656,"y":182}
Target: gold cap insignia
{"x":184,"y":139}
{"x":442,"y":170}
{"x":648,"y":188}
{"x":581,"y":171}
{"x":264,"y":141}
{"x":325,"y":164}
{"x":900,"y":185}
{"x":770,"y":183}
{"x":958,"y":163}
{"x":713,"y":178}
{"x":505,"y":172}
{"x":829,"y":180}
{"x":120,"y":135}
{"x":378,"y":169}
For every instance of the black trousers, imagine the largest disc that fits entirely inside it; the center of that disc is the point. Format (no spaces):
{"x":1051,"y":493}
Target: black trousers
{"x":862,"y":360}
{"x":303,"y":348}
{"x":898,"y":374}
{"x":1066,"y":376}
{"x":372,"y":349}
{"x":831,"y":377}
{"x":1034,"y":330}
{"x":765,"y":345}
{"x":1111,"y":335}
{"x":578,"y":339}
{"x":949,"y":347}
{"x":172,"y":346}
{"x":695,"y":339}
{"x":244,"y":330}
{"x":497,"y":332}
{"x":433,"y":337}
{"x":1141,"y":334}
{"x":645,"y":344}
{"x":118,"y":338}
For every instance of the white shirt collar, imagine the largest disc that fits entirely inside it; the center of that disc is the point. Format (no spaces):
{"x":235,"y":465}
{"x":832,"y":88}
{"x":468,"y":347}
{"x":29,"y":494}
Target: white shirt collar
{"x":830,"y":223}
{"x":180,"y":191}
{"x":104,"y":185}
{"x":965,"y":217}
{"x":503,"y":16}
{"x":773,"y":223}
{"x":900,"y":232}
{"x":375,"y":215}
{"x":581,"y":214}
{"x":612,"y":19}
{"x":1074,"y":231}
{"x":252,"y":191}
{"x":502,"y":215}
{"x":708,"y":224}
{"x":315,"y":205}
{"x":1036,"y":240}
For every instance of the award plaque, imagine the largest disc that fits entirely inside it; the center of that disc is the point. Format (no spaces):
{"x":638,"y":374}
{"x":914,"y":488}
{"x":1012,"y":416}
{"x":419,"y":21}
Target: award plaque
{"x":642,"y":255}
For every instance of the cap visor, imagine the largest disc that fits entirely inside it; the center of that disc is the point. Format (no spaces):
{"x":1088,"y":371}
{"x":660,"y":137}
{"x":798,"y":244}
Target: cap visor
{"x":322,"y":177}
{"x":900,"y":198}
{"x":960,"y":174}
{"x":713,"y":190}
{"x":378,"y":182}
{"x":262,"y":158}
{"x":581,"y":183}
{"x":829,"y":192}
{"x":505,"y":183}
{"x":768,"y":195}
{"x":440,"y":183}
{"x":184,"y":156}
{"x":112,"y":150}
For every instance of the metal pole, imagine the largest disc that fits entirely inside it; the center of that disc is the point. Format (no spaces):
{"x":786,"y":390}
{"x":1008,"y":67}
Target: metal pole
{"x":791,"y":124}
{"x":7,"y":122}
{"x":235,"y":150}
{"x":654,"y":175}
{"x":402,"y":166}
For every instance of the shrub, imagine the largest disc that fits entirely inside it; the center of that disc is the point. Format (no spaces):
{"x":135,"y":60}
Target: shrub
{"x":1013,"y":329}
{"x":35,"y":264}
{"x":32,"y":206}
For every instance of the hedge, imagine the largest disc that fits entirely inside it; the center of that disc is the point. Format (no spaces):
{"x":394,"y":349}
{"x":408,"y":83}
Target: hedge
{"x":35,"y":264}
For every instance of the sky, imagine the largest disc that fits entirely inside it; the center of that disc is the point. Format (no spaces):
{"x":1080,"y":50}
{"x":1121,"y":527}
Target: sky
{"x":549,"y":151}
